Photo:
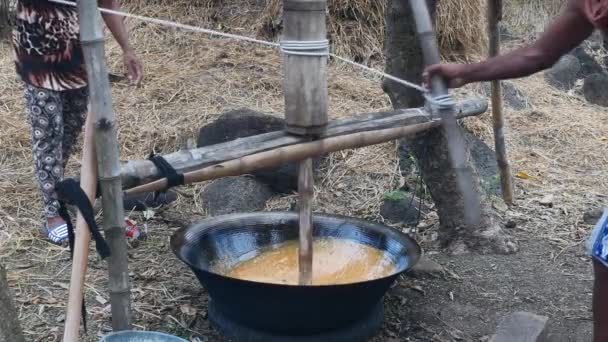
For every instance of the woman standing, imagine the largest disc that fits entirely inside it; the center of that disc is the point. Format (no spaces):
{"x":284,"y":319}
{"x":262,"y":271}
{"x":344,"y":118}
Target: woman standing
{"x":50,"y":62}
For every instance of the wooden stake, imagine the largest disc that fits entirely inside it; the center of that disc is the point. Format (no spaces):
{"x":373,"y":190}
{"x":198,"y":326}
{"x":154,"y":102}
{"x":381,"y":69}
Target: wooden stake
{"x":88,"y":183}
{"x":92,"y":38}
{"x":506,"y":180}
{"x":306,"y":192}
{"x":305,"y":104}
{"x":456,"y":143}
{"x":290,"y":154}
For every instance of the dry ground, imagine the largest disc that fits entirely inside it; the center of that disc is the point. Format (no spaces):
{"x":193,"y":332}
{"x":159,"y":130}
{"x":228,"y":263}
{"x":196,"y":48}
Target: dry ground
{"x":191,"y":79}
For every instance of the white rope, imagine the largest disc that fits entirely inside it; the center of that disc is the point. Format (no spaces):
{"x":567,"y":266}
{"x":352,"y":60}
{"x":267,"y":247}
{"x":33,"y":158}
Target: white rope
{"x":317,"y":48}
{"x":174,"y":24}
{"x":300,"y":48}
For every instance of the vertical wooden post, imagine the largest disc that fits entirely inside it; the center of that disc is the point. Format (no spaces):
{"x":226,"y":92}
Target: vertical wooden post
{"x":456,"y":142}
{"x":494,"y":18}
{"x":305,"y":86}
{"x":91,"y":35}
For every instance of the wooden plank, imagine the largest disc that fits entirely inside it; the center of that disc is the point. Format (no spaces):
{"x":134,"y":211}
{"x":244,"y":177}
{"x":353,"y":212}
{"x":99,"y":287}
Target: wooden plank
{"x":293,"y":153}
{"x":137,"y":172}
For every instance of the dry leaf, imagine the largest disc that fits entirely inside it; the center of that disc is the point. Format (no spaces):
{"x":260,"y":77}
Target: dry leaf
{"x":187,"y":309}
{"x":524,"y":175}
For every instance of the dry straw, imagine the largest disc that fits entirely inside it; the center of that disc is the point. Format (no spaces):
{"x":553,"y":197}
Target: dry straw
{"x":356,"y":27}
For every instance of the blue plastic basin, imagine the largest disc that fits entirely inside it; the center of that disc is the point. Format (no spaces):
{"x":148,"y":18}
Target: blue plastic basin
{"x":140,"y":336}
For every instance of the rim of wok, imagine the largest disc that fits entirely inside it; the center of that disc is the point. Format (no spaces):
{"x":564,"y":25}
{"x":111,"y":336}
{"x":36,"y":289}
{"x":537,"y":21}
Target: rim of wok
{"x":413,"y":249}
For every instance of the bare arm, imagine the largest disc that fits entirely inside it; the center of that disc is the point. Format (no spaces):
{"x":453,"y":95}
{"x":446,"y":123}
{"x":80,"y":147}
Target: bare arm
{"x":561,"y":36}
{"x":117,"y":26}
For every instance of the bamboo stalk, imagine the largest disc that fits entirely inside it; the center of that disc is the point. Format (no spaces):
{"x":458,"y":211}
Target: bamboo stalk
{"x":88,"y":183}
{"x":137,"y":172}
{"x":108,"y":162}
{"x":456,"y":143}
{"x":506,"y":180}
{"x":289,"y":154}
{"x":306,"y":193}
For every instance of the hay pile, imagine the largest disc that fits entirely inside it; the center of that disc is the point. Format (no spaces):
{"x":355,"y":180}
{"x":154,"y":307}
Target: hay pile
{"x":528,"y":17}
{"x":356,"y":27}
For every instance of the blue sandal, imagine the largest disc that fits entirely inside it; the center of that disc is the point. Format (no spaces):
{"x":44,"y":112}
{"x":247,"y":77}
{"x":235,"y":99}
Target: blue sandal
{"x":57,"y":235}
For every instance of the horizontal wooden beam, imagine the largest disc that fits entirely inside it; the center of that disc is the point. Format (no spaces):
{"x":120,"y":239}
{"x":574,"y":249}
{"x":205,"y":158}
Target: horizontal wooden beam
{"x":137,"y":172}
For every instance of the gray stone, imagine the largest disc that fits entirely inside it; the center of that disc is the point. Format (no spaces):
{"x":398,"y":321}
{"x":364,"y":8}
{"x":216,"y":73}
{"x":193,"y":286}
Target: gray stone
{"x":589,"y":65}
{"x":593,"y":215}
{"x":401,"y":207}
{"x":521,"y":327}
{"x":407,"y":163}
{"x":242,"y":123}
{"x":564,"y":73}
{"x":594,"y":89}
{"x":236,"y":194}
{"x":426,"y":267}
{"x":512,"y":96}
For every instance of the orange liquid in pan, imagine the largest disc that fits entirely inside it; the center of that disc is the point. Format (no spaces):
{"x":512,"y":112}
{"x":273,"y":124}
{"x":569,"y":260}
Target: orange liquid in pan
{"x":335,"y":261}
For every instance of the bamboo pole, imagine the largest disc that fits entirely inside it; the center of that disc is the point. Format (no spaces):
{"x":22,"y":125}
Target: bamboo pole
{"x":306,"y":192}
{"x":80,"y":259}
{"x":456,"y":143}
{"x":305,"y":87}
{"x":290,"y":154}
{"x":137,"y":172}
{"x":506,"y":180}
{"x":108,"y":162}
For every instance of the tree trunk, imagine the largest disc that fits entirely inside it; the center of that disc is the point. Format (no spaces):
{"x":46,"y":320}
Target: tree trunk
{"x":10,"y":330}
{"x":404,"y":60}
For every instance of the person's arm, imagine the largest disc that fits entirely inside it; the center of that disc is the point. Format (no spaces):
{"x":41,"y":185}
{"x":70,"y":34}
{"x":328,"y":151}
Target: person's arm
{"x":118,"y":29}
{"x":565,"y":33}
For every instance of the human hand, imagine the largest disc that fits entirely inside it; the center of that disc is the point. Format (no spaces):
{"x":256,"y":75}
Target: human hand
{"x":452,"y":73}
{"x":134,"y":67}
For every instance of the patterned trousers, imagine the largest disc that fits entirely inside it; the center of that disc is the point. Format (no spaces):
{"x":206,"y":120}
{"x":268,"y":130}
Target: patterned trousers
{"x":56,"y":119}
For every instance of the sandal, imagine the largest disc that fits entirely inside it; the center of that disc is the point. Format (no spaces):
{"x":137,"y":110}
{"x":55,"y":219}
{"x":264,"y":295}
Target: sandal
{"x":57,"y":235}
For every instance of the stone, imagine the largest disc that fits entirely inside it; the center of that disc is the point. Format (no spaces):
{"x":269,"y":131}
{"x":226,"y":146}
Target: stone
{"x":401,"y":207}
{"x":593,"y":215}
{"x":426,"y":267}
{"x":521,"y":327}
{"x":594,"y":89}
{"x":564,"y":73}
{"x":484,"y":161}
{"x":242,"y":123}
{"x":589,"y":65}
{"x":547,"y":201}
{"x":236,"y":194}
{"x":512,"y":97}
{"x":407,"y":162}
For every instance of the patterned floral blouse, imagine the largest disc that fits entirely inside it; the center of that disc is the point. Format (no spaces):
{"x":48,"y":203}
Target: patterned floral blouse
{"x":47,"y":46}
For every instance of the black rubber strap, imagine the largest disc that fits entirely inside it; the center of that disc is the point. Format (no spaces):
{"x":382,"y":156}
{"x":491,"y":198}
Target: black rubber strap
{"x":70,"y":192}
{"x":167,"y":171}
